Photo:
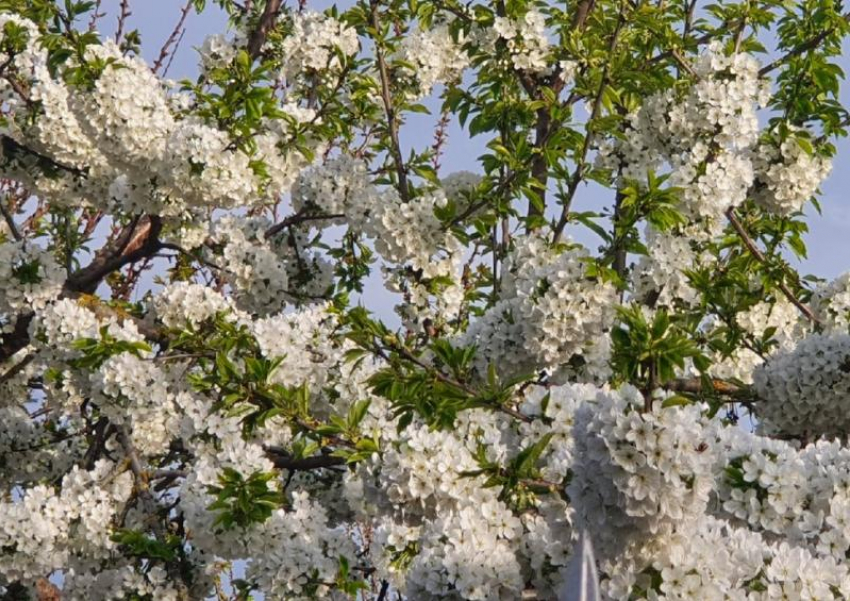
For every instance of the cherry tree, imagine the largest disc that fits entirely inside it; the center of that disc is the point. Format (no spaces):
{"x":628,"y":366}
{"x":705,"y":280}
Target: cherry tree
{"x":598,"y":333}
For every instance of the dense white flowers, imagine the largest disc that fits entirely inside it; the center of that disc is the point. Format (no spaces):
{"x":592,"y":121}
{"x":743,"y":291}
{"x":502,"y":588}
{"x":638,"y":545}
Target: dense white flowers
{"x":397,"y":240}
{"x":31,"y":277}
{"x":49,"y":530}
{"x":314,"y":42}
{"x":184,"y":303}
{"x":204,"y":169}
{"x":526,"y":39}
{"x":133,"y":392}
{"x":704,"y":136}
{"x":198,"y":392}
{"x":551,"y":316}
{"x":831,"y":304}
{"x":805,"y":391}
{"x":339,"y":188}
{"x":257,"y":272}
{"x":435,"y":55}
{"x":219,"y":50}
{"x":296,"y":550}
{"x":639,"y":475}
{"x":787,"y":174}
{"x":661,"y":274}
{"x":403,"y":232}
{"x":776,"y":321}
{"x":125,"y":114}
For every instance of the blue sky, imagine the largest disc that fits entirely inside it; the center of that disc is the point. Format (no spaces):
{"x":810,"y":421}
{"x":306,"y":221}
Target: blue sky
{"x":828,"y":240}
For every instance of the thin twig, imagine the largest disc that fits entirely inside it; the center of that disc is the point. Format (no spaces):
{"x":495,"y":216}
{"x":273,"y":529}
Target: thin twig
{"x":95,"y":15}
{"x":174,"y":54}
{"x":578,"y":176}
{"x":295,"y":220}
{"x":122,"y":19}
{"x":809,"y":44}
{"x":386,"y":95}
{"x":440,"y":136}
{"x":760,"y":257}
{"x":173,"y":38}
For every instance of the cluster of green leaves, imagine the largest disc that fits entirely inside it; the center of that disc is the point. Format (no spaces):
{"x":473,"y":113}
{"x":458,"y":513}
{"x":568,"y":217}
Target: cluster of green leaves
{"x":649,"y":353}
{"x":434,"y":390}
{"x":238,"y":97}
{"x":95,"y":351}
{"x":348,"y":428}
{"x":638,"y":202}
{"x":520,"y":480}
{"x":353,"y":259}
{"x":246,"y":389}
{"x":27,"y":272}
{"x":136,"y":543}
{"x":242,"y":501}
{"x":808,"y":84}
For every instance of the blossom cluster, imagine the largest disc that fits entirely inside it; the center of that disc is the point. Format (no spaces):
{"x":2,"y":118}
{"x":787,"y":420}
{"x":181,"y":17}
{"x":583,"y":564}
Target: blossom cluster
{"x":787,"y":174}
{"x":246,"y":410}
{"x":314,"y":42}
{"x":402,"y":231}
{"x":31,"y":277}
{"x":550,"y":314}
{"x":51,"y":530}
{"x":804,"y":391}
{"x":705,"y":137}
{"x":526,"y":40}
{"x":639,"y":474}
{"x":661,"y":273}
{"x":125,"y":142}
{"x":435,"y":55}
{"x":219,"y":50}
{"x":831,"y":304}
{"x":776,"y":321}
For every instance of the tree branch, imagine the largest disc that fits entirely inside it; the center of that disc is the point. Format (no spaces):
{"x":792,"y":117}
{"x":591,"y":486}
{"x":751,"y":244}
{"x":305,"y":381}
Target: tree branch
{"x":809,"y":44}
{"x":695,"y":386}
{"x":285,"y":461}
{"x":760,"y":257}
{"x":137,"y":240}
{"x":266,"y":24}
{"x":295,"y":219}
{"x":16,"y":234}
{"x":122,"y":19}
{"x":392,"y":119}
{"x":578,"y":176}
{"x":175,"y":35}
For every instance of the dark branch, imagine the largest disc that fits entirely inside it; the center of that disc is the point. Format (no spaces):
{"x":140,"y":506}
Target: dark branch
{"x":138,"y":240}
{"x":266,"y":24}
{"x":283,"y":460}
{"x":295,"y":220}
